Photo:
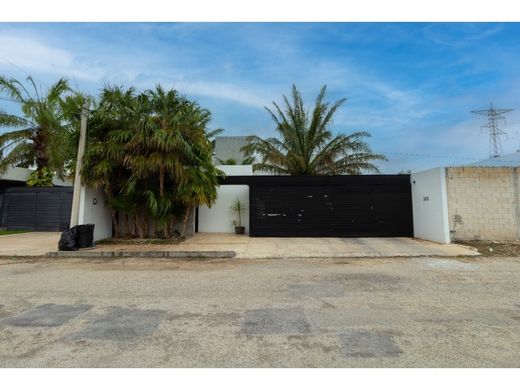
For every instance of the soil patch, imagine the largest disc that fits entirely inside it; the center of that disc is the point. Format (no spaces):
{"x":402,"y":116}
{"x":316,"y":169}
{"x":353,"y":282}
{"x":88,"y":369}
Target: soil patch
{"x":494,"y":248}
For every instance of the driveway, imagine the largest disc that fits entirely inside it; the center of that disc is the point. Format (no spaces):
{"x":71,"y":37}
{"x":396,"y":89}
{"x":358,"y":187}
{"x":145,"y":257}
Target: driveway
{"x":29,"y":244}
{"x":320,"y":247}
{"x":247,"y":247}
{"x":400,"y":312}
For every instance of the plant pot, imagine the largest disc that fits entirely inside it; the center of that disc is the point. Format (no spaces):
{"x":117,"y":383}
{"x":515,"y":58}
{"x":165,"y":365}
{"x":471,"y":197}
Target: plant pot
{"x":240,"y":229}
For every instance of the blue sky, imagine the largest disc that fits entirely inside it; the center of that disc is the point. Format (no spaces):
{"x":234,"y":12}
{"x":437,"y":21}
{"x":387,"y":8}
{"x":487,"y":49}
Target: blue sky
{"x":411,"y":85}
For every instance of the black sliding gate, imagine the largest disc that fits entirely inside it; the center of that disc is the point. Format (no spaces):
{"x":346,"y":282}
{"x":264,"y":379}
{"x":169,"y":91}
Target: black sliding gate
{"x":37,"y":209}
{"x":329,"y":206}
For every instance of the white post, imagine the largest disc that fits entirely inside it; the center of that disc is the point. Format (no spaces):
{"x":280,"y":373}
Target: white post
{"x":74,"y":215}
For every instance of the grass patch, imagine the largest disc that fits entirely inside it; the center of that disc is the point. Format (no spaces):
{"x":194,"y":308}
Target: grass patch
{"x":140,"y":241}
{"x":14,"y":231}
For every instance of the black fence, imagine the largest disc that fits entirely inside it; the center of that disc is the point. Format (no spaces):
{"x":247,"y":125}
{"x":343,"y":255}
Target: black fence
{"x":37,"y":209}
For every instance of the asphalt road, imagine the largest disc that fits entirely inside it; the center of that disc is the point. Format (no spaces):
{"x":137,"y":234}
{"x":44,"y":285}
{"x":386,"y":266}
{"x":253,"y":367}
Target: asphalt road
{"x":406,"y":312}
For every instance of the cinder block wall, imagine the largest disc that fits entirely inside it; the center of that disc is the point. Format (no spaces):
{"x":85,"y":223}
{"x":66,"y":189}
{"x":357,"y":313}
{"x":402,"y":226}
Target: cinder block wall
{"x":483,"y":203}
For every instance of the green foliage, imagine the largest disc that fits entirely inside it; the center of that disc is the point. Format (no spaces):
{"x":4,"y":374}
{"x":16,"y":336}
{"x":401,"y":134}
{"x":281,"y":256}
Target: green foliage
{"x":232,"y":161}
{"x":42,"y":135}
{"x":150,"y":153}
{"x":14,"y":231}
{"x":40,"y":178}
{"x":238,"y":208}
{"x":306,"y":145}
{"x":229,"y":161}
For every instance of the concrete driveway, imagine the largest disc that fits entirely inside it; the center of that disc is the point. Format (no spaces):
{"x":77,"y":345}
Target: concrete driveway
{"x":29,"y":244}
{"x":247,"y":247}
{"x":400,"y":312}
{"x":320,"y":247}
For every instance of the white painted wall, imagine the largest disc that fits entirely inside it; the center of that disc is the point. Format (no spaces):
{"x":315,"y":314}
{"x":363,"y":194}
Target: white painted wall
{"x":98,"y":213}
{"x":236,"y":170}
{"x":430,"y":205}
{"x":22,"y":174}
{"x":218,"y":218}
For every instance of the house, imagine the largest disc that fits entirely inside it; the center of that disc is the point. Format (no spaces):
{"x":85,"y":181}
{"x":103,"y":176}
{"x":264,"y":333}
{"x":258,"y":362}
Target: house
{"x":229,"y":148}
{"x":312,"y":206}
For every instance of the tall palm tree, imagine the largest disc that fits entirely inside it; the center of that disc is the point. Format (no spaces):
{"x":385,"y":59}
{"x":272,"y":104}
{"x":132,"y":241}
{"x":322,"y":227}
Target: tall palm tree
{"x":151,"y":155}
{"x":37,"y":136}
{"x":111,"y":125}
{"x":306,"y":145}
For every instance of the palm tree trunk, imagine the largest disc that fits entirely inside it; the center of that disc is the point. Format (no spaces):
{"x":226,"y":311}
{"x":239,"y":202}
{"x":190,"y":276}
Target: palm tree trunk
{"x":115,"y":222}
{"x":39,"y":140}
{"x":145,"y":224}
{"x":161,"y":182}
{"x":139,"y":221}
{"x":134,"y":225}
{"x":185,"y":220}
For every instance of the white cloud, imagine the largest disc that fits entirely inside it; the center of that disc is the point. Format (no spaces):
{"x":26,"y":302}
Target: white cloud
{"x":238,"y":93}
{"x":33,"y":55}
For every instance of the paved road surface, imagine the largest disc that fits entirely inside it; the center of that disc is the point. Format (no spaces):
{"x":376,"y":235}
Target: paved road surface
{"x":408,"y":312}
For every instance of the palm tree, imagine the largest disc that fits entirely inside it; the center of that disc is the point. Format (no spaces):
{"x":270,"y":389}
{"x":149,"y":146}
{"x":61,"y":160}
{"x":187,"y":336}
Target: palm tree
{"x":178,"y":151}
{"x":307,"y":146}
{"x":37,"y":137}
{"x":151,"y":155}
{"x":111,"y":124}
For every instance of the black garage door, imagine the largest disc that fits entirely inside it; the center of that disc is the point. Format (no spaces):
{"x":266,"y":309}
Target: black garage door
{"x":38,"y":209}
{"x":354,"y":206}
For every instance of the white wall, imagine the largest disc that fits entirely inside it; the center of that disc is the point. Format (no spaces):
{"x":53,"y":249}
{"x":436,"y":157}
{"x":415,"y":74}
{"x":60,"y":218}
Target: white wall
{"x":430,"y":205}
{"x":22,"y":174}
{"x":218,"y":218}
{"x":98,"y":213}
{"x":236,"y":170}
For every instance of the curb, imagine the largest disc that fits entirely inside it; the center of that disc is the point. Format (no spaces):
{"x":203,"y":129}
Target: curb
{"x":146,"y":254}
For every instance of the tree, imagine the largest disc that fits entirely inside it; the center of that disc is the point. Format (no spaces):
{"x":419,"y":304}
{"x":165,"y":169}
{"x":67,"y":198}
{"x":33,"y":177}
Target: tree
{"x":38,"y":137}
{"x":150,"y":153}
{"x":306,"y":145}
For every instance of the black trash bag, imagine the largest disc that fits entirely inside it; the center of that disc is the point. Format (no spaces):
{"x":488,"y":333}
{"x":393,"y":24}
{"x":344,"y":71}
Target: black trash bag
{"x":68,"y":240}
{"x":85,"y":236}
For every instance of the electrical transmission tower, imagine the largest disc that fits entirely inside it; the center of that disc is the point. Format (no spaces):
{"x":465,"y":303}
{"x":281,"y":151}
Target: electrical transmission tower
{"x":493,"y":115}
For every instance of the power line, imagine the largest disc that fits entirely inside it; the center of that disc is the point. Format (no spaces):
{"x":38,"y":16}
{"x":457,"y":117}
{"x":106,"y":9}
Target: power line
{"x":419,"y":155}
{"x":23,"y":70}
{"x":8,"y":100}
{"x":493,"y":115}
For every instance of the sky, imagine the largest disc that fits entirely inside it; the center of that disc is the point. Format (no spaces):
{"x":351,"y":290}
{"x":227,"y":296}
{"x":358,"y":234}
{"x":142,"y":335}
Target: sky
{"x":411,"y":85}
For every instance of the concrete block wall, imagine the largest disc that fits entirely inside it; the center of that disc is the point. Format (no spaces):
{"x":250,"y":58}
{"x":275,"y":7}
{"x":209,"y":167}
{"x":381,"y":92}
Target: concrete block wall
{"x":483,"y":203}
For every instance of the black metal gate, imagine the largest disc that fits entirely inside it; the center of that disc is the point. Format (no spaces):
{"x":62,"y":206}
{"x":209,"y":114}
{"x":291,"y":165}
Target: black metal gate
{"x":338,"y":206}
{"x":38,"y":209}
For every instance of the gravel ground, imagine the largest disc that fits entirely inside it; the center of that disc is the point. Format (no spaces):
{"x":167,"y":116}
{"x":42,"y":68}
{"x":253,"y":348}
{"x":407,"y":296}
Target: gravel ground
{"x":495,"y":248}
{"x":406,"y":312}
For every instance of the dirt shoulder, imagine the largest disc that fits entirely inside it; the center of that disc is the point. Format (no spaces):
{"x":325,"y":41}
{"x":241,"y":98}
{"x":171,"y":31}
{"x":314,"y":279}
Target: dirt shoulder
{"x":494,"y":248}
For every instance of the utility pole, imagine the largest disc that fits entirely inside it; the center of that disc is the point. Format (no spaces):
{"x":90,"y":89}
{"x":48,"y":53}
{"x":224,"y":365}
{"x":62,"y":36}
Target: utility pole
{"x":493,"y":115}
{"x":76,"y":197}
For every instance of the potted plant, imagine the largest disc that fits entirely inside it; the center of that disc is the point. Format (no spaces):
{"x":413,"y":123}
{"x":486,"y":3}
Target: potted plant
{"x":238,"y":207}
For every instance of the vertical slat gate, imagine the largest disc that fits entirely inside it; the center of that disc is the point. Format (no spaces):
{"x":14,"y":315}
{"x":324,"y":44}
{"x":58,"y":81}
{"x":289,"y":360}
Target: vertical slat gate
{"x":362,"y":209}
{"x":38,"y":209}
